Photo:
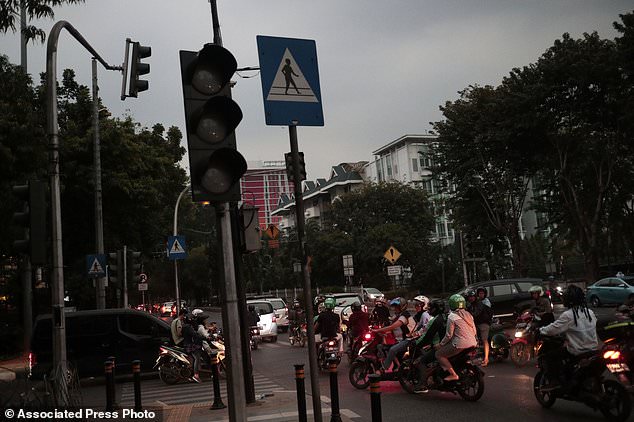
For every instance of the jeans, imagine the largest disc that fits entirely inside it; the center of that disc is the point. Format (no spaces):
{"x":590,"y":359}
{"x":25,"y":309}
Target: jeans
{"x":427,"y":358}
{"x":391,"y":354}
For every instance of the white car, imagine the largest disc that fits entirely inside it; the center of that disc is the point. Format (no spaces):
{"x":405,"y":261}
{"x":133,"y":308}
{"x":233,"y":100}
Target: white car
{"x":281,"y":312}
{"x":268,"y":320}
{"x":371,"y":294}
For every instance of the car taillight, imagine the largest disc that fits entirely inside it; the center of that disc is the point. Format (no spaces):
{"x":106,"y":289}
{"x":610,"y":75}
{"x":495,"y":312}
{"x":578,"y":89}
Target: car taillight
{"x":612,"y":355}
{"x":274,"y":319}
{"x":364,"y":308}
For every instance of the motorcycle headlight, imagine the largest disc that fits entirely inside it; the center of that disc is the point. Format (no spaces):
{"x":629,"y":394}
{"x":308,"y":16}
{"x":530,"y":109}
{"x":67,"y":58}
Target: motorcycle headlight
{"x":518,"y":334}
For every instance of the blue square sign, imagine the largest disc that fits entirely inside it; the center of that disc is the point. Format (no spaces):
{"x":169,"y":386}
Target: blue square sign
{"x":290,"y":81}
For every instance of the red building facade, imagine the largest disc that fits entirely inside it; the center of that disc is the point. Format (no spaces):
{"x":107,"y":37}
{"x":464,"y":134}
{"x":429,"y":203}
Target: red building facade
{"x":262,"y":185}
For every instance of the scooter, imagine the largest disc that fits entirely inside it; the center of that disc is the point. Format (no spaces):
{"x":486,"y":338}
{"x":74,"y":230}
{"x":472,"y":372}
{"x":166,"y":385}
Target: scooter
{"x":328,"y":352}
{"x":175,"y":365}
{"x":254,"y":337}
{"x":470,"y":385}
{"x":370,"y":360}
{"x":298,"y":335}
{"x":524,"y":345}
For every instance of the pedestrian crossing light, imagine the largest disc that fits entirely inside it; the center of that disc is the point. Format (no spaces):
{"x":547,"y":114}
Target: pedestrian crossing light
{"x":32,"y":217}
{"x":139,"y":68}
{"x":133,"y":262}
{"x":115,"y":266}
{"x":211,"y":117}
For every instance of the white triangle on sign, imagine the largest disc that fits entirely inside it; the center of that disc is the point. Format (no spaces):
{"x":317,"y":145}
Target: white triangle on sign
{"x":96,"y":267}
{"x":290,"y":84}
{"x":176,"y":248}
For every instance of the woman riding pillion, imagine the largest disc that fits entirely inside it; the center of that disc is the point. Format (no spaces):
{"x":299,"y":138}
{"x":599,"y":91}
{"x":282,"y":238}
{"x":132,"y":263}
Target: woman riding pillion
{"x":460,"y":335}
{"x":403,"y":321}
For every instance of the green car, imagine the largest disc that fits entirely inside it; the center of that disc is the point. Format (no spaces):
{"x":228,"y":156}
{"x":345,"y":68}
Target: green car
{"x":610,"y":290}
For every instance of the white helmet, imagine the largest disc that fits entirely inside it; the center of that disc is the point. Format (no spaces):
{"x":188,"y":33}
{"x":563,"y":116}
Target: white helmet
{"x":197,"y":312}
{"x":424,"y":300}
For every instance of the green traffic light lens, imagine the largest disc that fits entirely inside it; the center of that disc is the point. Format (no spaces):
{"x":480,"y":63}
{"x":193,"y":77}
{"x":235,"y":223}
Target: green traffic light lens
{"x":211,"y":128}
{"x":207,"y":79}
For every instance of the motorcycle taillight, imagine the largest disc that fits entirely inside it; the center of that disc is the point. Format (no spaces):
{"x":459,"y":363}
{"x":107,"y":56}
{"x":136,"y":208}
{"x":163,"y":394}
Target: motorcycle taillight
{"x":367,"y":337}
{"x":612,"y":355}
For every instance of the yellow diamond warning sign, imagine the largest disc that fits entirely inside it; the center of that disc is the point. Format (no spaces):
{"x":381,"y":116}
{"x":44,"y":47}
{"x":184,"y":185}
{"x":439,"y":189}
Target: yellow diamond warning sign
{"x":392,"y":254}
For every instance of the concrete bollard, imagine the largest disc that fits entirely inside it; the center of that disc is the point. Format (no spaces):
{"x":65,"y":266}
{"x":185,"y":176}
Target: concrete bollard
{"x":375,"y":397}
{"x":334,"y":392}
{"x":108,"y":369}
{"x":136,"y":375}
{"x":301,"y":393}
{"x":217,"y":404}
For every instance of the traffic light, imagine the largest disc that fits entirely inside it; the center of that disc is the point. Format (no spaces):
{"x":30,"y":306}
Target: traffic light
{"x":33,"y":218}
{"x":133,"y":264}
{"x":139,"y":68}
{"x":211,"y":117}
{"x":115,"y":266}
{"x":290,"y":170}
{"x":250,"y":233}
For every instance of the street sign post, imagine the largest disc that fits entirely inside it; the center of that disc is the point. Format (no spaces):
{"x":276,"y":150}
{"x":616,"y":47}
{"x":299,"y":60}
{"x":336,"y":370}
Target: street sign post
{"x":176,"y":247}
{"x":394,"y":270}
{"x":290,"y":81}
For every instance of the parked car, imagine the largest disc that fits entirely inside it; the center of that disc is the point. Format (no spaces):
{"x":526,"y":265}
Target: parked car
{"x":370,"y":294}
{"x":268,"y":320}
{"x":506,"y":294}
{"x":610,"y":290}
{"x":93,"y":336}
{"x":281,"y":312}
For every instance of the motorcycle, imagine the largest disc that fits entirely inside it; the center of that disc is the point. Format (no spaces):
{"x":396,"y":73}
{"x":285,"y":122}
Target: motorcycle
{"x":585,"y":383}
{"x":470,"y":386}
{"x":254,"y":337}
{"x":328,"y":352}
{"x":618,"y":351}
{"x":298,"y":335}
{"x":370,"y":360}
{"x":356,"y":345}
{"x":524,"y":345}
{"x":176,"y":365}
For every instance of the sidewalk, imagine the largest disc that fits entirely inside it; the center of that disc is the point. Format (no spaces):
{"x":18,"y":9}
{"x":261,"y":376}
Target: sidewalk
{"x":282,"y":406}
{"x":11,"y":368}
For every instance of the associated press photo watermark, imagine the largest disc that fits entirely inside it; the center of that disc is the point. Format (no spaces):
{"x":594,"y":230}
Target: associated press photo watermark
{"x":83,"y":414}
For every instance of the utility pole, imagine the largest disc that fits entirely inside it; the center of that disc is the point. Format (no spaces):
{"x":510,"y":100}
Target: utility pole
{"x":101,"y":281}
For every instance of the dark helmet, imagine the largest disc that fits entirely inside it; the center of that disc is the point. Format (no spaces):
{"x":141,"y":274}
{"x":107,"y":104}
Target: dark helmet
{"x":356,"y":306}
{"x":574,"y":296}
{"x":296,"y":304}
{"x":469,"y":293}
{"x":183,"y":311}
{"x":251,"y":308}
{"x":482,"y":289}
{"x":436,"y":307}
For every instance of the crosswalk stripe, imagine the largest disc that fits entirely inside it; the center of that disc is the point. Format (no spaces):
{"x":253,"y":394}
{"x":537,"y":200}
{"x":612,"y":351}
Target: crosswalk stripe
{"x":155,"y":390}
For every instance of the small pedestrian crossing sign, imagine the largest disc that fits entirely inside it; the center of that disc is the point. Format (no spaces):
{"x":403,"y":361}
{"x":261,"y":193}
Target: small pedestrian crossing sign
{"x":176,"y":247}
{"x":96,"y":265}
{"x":290,"y":84}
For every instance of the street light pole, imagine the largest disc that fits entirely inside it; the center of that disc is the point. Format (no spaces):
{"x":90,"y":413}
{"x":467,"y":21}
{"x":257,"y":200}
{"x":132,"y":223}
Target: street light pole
{"x":175,"y":233}
{"x":101,"y":281}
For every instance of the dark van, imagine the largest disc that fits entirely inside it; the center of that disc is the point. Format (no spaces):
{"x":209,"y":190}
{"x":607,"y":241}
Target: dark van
{"x":93,"y":336}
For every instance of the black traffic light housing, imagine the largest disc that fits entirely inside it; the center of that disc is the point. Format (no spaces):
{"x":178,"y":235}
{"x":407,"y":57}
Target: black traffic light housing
{"x":139,"y":68}
{"x":290,"y":168}
{"x":133,"y":263}
{"x":211,"y":117}
{"x":115,"y":266}
{"x":33,"y":219}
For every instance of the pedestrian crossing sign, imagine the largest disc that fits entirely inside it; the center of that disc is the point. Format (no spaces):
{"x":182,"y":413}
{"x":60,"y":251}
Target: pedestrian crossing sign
{"x":176,"y":247}
{"x":96,"y":265}
{"x":290,"y":81}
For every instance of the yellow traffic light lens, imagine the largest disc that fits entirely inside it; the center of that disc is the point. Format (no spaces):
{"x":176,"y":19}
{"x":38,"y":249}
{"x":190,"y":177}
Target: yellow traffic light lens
{"x":211,"y":128}
{"x":207,"y":79}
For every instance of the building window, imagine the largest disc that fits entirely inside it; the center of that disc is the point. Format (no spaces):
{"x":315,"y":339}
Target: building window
{"x":414,"y":165}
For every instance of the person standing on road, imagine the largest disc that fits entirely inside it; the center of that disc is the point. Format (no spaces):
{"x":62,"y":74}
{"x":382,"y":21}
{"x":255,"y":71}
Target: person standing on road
{"x":177,"y":327}
{"x":483,"y":316}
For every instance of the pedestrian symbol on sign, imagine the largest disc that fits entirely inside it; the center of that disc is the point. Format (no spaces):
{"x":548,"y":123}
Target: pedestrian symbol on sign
{"x":302,"y":91}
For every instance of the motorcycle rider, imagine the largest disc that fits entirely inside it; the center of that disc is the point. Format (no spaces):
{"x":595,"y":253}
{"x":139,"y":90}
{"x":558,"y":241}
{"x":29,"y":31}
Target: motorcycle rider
{"x":460,"y":334}
{"x":542,"y":307}
{"x":193,"y":344}
{"x":380,"y":313}
{"x":579,"y":325}
{"x":403,"y":321}
{"x":328,"y":324}
{"x":252,"y":316}
{"x":422,"y":316}
{"x":177,"y":327}
{"x":200,"y":318}
{"x":436,"y":328}
{"x":296,"y":316}
{"x":358,"y":322}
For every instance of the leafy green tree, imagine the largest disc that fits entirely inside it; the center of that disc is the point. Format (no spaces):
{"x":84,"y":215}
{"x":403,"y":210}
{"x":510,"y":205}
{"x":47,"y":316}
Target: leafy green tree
{"x":35,"y":9}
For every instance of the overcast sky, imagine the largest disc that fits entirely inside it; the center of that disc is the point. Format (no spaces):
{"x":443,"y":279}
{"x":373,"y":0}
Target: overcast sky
{"x":385,"y":66}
